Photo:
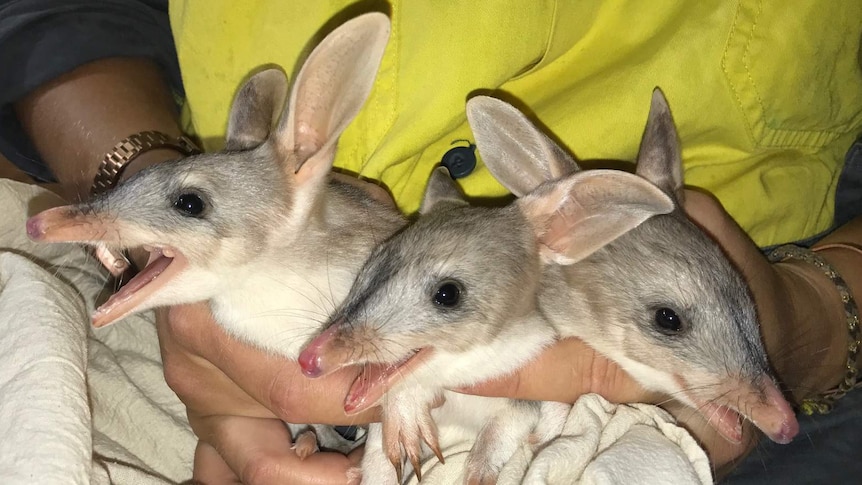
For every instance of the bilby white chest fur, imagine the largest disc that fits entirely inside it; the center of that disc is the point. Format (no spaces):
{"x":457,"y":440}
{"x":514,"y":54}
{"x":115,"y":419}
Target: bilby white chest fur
{"x":303,"y":281}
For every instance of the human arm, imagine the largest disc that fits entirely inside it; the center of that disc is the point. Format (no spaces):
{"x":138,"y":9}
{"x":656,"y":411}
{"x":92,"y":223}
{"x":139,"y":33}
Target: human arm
{"x":78,"y":117}
{"x":41,"y":40}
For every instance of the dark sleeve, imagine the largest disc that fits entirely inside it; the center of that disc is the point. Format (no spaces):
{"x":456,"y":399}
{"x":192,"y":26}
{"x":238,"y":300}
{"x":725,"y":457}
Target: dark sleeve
{"x":42,"y":39}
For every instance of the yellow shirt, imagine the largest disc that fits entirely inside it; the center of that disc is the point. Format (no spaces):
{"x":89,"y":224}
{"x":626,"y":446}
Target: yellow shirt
{"x":767,"y":96}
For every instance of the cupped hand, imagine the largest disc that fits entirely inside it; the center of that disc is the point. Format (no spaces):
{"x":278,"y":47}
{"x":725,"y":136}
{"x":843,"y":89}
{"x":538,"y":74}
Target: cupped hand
{"x":236,"y":397}
{"x":564,"y":372}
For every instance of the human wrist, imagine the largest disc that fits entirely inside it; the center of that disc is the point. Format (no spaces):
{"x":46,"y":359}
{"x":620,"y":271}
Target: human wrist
{"x":846,"y":259}
{"x":808,"y":340}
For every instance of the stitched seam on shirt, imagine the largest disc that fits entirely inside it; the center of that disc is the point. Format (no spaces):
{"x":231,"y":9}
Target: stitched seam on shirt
{"x":762,"y":133}
{"x":532,"y":65}
{"x":733,"y":87}
{"x":551,"y":30}
{"x":746,"y":62}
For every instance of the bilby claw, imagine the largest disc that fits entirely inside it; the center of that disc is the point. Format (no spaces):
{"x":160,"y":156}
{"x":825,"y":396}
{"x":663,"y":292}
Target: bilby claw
{"x":407,"y":424}
{"x":392,"y":444}
{"x":399,"y":471}
{"x":436,"y":449}
{"x":428,"y":432}
{"x":413,"y":453}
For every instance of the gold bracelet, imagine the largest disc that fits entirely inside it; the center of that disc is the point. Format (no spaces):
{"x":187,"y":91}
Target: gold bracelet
{"x":128,"y":149}
{"x":824,"y":403}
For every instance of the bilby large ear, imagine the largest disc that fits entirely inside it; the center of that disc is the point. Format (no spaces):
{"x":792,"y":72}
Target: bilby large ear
{"x":575,"y":216}
{"x":517,"y":153}
{"x":255,"y":110}
{"x":659,"y":158}
{"x":440,"y":187}
{"x":329,"y":91}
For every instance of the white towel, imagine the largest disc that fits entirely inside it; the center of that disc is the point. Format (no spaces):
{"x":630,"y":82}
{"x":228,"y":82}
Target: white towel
{"x":601,"y":444}
{"x":77,"y":405}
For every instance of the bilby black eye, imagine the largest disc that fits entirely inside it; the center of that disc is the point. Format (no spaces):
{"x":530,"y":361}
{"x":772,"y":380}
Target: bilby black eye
{"x":190,"y":204}
{"x":448,"y":294}
{"x":668,"y":322}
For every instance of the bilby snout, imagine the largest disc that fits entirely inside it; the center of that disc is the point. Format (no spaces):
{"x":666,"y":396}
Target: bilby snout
{"x":324,"y":354}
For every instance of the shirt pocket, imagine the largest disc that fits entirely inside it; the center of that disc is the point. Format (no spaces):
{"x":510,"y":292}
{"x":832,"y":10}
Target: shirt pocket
{"x":793,"y":68}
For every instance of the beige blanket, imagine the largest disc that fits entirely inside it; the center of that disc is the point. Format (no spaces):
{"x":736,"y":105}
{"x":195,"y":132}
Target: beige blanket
{"x":77,"y":405}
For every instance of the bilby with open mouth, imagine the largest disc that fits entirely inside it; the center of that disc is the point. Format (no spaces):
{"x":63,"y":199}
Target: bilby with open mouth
{"x":467,"y":293}
{"x":261,"y":229}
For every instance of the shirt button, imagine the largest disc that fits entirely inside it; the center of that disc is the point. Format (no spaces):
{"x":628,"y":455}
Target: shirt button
{"x":460,"y":161}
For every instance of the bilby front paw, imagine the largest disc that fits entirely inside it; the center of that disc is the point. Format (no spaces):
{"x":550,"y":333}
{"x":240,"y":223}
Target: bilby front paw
{"x":407,"y":424}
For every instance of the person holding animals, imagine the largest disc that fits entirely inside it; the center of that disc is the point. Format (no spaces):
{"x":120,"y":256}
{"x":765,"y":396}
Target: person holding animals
{"x":768,"y":105}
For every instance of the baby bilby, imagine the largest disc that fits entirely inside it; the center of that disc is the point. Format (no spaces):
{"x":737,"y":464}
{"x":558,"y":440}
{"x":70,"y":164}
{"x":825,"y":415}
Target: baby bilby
{"x":261,"y":229}
{"x":467,"y":293}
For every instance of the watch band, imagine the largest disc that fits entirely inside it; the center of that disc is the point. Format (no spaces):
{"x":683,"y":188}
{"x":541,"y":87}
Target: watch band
{"x":129,"y":148}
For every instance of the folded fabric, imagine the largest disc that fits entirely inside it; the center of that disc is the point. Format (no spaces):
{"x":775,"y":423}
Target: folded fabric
{"x":77,"y":405}
{"x":601,"y":444}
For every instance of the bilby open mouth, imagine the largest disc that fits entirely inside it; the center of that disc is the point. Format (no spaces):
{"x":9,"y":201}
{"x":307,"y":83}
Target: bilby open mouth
{"x":728,"y":419}
{"x":375,"y":379}
{"x":164,"y":264}
{"x":725,"y":419}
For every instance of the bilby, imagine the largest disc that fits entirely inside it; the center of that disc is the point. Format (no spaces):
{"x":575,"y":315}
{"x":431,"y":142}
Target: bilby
{"x":466,"y":293}
{"x":261,"y":229}
{"x":663,"y":300}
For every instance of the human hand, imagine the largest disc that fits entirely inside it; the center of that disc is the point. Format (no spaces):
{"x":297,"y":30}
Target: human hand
{"x":236,"y":397}
{"x":564,"y":372}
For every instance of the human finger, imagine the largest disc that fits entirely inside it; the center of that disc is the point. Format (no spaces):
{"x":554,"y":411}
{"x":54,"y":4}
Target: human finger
{"x":210,"y":467}
{"x":259,"y":451}
{"x":202,"y":354}
{"x":564,"y":372}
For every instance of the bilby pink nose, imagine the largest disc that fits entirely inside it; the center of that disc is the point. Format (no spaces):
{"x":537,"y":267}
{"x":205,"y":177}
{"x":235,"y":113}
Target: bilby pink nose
{"x":41,"y":226}
{"x":312,"y":359}
{"x":34,"y":228}
{"x":758,"y":400}
{"x":309,"y":361}
{"x":775,"y":417}
{"x":68,"y":224}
